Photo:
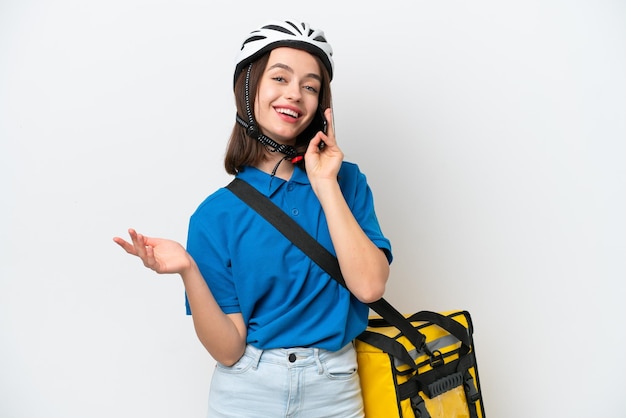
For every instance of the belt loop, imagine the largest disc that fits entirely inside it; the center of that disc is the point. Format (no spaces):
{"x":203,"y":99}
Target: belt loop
{"x":318,"y":361}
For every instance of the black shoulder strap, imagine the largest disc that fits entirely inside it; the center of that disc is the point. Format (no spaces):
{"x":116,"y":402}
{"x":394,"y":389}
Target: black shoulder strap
{"x":327,"y":261}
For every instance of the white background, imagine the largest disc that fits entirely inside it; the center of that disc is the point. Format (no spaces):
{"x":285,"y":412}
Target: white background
{"x":492,"y":133}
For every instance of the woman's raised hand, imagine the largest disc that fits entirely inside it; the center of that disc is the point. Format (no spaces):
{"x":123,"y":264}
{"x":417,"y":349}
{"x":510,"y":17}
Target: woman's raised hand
{"x":323,"y":161}
{"x":158,"y":254}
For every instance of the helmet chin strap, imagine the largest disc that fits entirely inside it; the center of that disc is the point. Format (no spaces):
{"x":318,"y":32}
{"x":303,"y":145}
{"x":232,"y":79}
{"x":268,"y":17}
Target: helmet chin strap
{"x":252,"y":130}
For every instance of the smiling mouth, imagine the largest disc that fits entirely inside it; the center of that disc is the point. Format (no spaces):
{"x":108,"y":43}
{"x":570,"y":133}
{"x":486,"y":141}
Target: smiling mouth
{"x":288,"y":112}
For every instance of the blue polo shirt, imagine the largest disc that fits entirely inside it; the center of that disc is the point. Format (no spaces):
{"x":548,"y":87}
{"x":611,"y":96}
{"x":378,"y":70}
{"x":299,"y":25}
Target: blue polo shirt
{"x":285,"y":299}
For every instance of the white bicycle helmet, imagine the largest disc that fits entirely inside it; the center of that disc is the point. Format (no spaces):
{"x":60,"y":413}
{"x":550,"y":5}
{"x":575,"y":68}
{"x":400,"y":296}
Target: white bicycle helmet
{"x":290,"y":33}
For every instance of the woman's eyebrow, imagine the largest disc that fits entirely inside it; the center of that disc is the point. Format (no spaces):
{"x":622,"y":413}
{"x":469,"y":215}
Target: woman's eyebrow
{"x":288,"y":68}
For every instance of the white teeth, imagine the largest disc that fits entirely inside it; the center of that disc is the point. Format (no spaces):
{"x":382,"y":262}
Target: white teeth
{"x":288,"y":112}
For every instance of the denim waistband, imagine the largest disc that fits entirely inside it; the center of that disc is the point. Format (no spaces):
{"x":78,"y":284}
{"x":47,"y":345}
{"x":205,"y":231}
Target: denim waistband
{"x":294,"y":357}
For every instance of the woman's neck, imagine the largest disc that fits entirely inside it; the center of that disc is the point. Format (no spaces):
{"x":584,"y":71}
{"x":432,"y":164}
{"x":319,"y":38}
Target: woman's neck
{"x":277,"y":164}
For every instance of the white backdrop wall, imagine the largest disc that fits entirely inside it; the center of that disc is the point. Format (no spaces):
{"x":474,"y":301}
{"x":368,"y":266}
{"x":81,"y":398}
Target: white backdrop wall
{"x":492,"y":133}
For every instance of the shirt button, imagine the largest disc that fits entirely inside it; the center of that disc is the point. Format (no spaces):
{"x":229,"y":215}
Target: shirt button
{"x":290,"y":187}
{"x":292,"y":357}
{"x":295,"y":212}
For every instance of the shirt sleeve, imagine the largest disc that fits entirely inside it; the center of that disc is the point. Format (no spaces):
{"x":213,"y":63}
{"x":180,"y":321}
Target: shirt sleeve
{"x":206,"y":243}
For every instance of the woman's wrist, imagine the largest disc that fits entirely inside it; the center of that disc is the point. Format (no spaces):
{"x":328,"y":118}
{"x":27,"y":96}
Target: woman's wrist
{"x":325,"y":187}
{"x":191,"y":270}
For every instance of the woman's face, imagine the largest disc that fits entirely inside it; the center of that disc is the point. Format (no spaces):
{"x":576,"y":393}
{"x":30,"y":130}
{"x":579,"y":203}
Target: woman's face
{"x":288,"y":92}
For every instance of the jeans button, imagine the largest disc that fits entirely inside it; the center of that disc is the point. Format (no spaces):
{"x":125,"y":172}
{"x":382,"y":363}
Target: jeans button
{"x":292,"y":357}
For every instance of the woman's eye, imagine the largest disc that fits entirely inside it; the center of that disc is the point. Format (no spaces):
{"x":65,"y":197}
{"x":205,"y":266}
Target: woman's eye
{"x":311,"y":89}
{"x":278,"y":78}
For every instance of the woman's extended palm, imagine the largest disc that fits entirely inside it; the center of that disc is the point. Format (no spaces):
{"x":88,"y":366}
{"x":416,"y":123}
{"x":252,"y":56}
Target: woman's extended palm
{"x":159,"y":254}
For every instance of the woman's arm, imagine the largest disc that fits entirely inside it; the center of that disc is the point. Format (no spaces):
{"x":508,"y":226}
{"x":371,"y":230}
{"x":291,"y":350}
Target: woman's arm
{"x":224,"y":336}
{"x":364,"y":266}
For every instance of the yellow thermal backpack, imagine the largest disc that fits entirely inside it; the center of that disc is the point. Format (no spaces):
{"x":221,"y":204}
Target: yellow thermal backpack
{"x":420,"y":366}
{"x":432,"y":376}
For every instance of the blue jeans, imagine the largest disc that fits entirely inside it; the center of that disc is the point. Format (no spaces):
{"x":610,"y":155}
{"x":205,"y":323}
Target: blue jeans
{"x":289,"y":383}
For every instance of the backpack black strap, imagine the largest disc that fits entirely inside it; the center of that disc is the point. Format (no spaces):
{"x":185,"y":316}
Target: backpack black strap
{"x":326,"y":260}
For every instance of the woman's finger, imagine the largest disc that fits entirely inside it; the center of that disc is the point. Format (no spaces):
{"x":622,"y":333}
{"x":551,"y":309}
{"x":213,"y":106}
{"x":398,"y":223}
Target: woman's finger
{"x":150,"y":260}
{"x":139,"y":243}
{"x":330,"y":131}
{"x":126,"y":246}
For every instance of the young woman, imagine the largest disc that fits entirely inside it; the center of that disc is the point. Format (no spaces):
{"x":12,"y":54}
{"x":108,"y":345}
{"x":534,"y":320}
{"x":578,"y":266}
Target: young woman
{"x":279,"y":327}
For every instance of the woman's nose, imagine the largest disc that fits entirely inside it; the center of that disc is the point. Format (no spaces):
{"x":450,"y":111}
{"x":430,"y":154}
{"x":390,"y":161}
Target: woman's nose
{"x":293,"y":92}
